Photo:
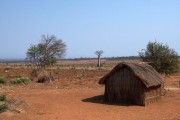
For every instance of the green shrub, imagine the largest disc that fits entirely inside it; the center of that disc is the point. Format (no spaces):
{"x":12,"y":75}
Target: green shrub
{"x":21,"y":80}
{"x":3,"y":107}
{"x":3,"y":98}
{"x":2,"y":80}
{"x":161,"y":57}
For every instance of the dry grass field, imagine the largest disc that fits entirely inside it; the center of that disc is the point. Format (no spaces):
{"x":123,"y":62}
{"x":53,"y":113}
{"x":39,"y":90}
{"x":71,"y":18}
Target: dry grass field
{"x":76,"y":95}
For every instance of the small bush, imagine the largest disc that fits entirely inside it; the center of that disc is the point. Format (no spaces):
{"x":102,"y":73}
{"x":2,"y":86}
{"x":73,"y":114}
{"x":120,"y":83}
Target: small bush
{"x":3,"y":98}
{"x":2,"y":80}
{"x":21,"y":80}
{"x":3,"y":107}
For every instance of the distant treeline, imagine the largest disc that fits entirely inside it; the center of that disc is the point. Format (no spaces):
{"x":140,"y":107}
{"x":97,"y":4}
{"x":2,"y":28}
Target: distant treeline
{"x":13,"y":61}
{"x":81,"y":58}
{"x":107,"y":58}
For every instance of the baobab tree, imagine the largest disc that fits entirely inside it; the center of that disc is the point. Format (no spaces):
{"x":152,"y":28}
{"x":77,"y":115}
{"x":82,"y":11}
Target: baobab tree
{"x":99,"y":54}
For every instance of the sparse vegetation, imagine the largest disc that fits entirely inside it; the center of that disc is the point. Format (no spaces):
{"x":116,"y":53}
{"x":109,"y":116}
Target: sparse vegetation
{"x":3,"y":108}
{"x":21,"y":80}
{"x":2,"y":98}
{"x":2,"y":80}
{"x":161,"y":57}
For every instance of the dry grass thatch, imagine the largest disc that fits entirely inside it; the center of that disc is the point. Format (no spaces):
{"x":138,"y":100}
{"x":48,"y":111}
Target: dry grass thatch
{"x":146,"y":73}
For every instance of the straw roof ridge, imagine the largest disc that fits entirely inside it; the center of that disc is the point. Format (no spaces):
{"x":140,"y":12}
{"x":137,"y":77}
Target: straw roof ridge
{"x":146,"y":73}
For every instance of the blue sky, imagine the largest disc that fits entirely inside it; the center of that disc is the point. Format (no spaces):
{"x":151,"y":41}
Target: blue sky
{"x":118,"y":27}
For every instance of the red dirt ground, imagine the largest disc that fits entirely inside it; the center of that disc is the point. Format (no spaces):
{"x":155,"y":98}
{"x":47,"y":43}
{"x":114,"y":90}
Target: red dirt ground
{"x":76,"y":95}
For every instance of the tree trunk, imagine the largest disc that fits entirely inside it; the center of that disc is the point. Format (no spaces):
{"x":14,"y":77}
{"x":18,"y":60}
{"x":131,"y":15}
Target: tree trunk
{"x":99,"y":64}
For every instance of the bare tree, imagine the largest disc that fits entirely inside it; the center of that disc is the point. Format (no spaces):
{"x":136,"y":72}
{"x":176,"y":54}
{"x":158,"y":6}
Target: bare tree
{"x":99,"y":54}
{"x":49,"y":48}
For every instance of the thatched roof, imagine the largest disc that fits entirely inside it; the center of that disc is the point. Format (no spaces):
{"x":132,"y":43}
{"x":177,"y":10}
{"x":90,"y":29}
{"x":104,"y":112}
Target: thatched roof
{"x":146,"y":73}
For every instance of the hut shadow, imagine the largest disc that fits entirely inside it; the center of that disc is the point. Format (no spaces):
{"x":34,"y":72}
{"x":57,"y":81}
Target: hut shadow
{"x":101,"y":100}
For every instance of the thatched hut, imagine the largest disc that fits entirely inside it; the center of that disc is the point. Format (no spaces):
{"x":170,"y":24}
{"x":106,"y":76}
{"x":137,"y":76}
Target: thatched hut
{"x":132,"y":83}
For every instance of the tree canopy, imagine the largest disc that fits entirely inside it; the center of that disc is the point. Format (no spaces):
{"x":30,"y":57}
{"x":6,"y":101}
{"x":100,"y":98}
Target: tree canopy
{"x":161,"y":57}
{"x":50,"y":48}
